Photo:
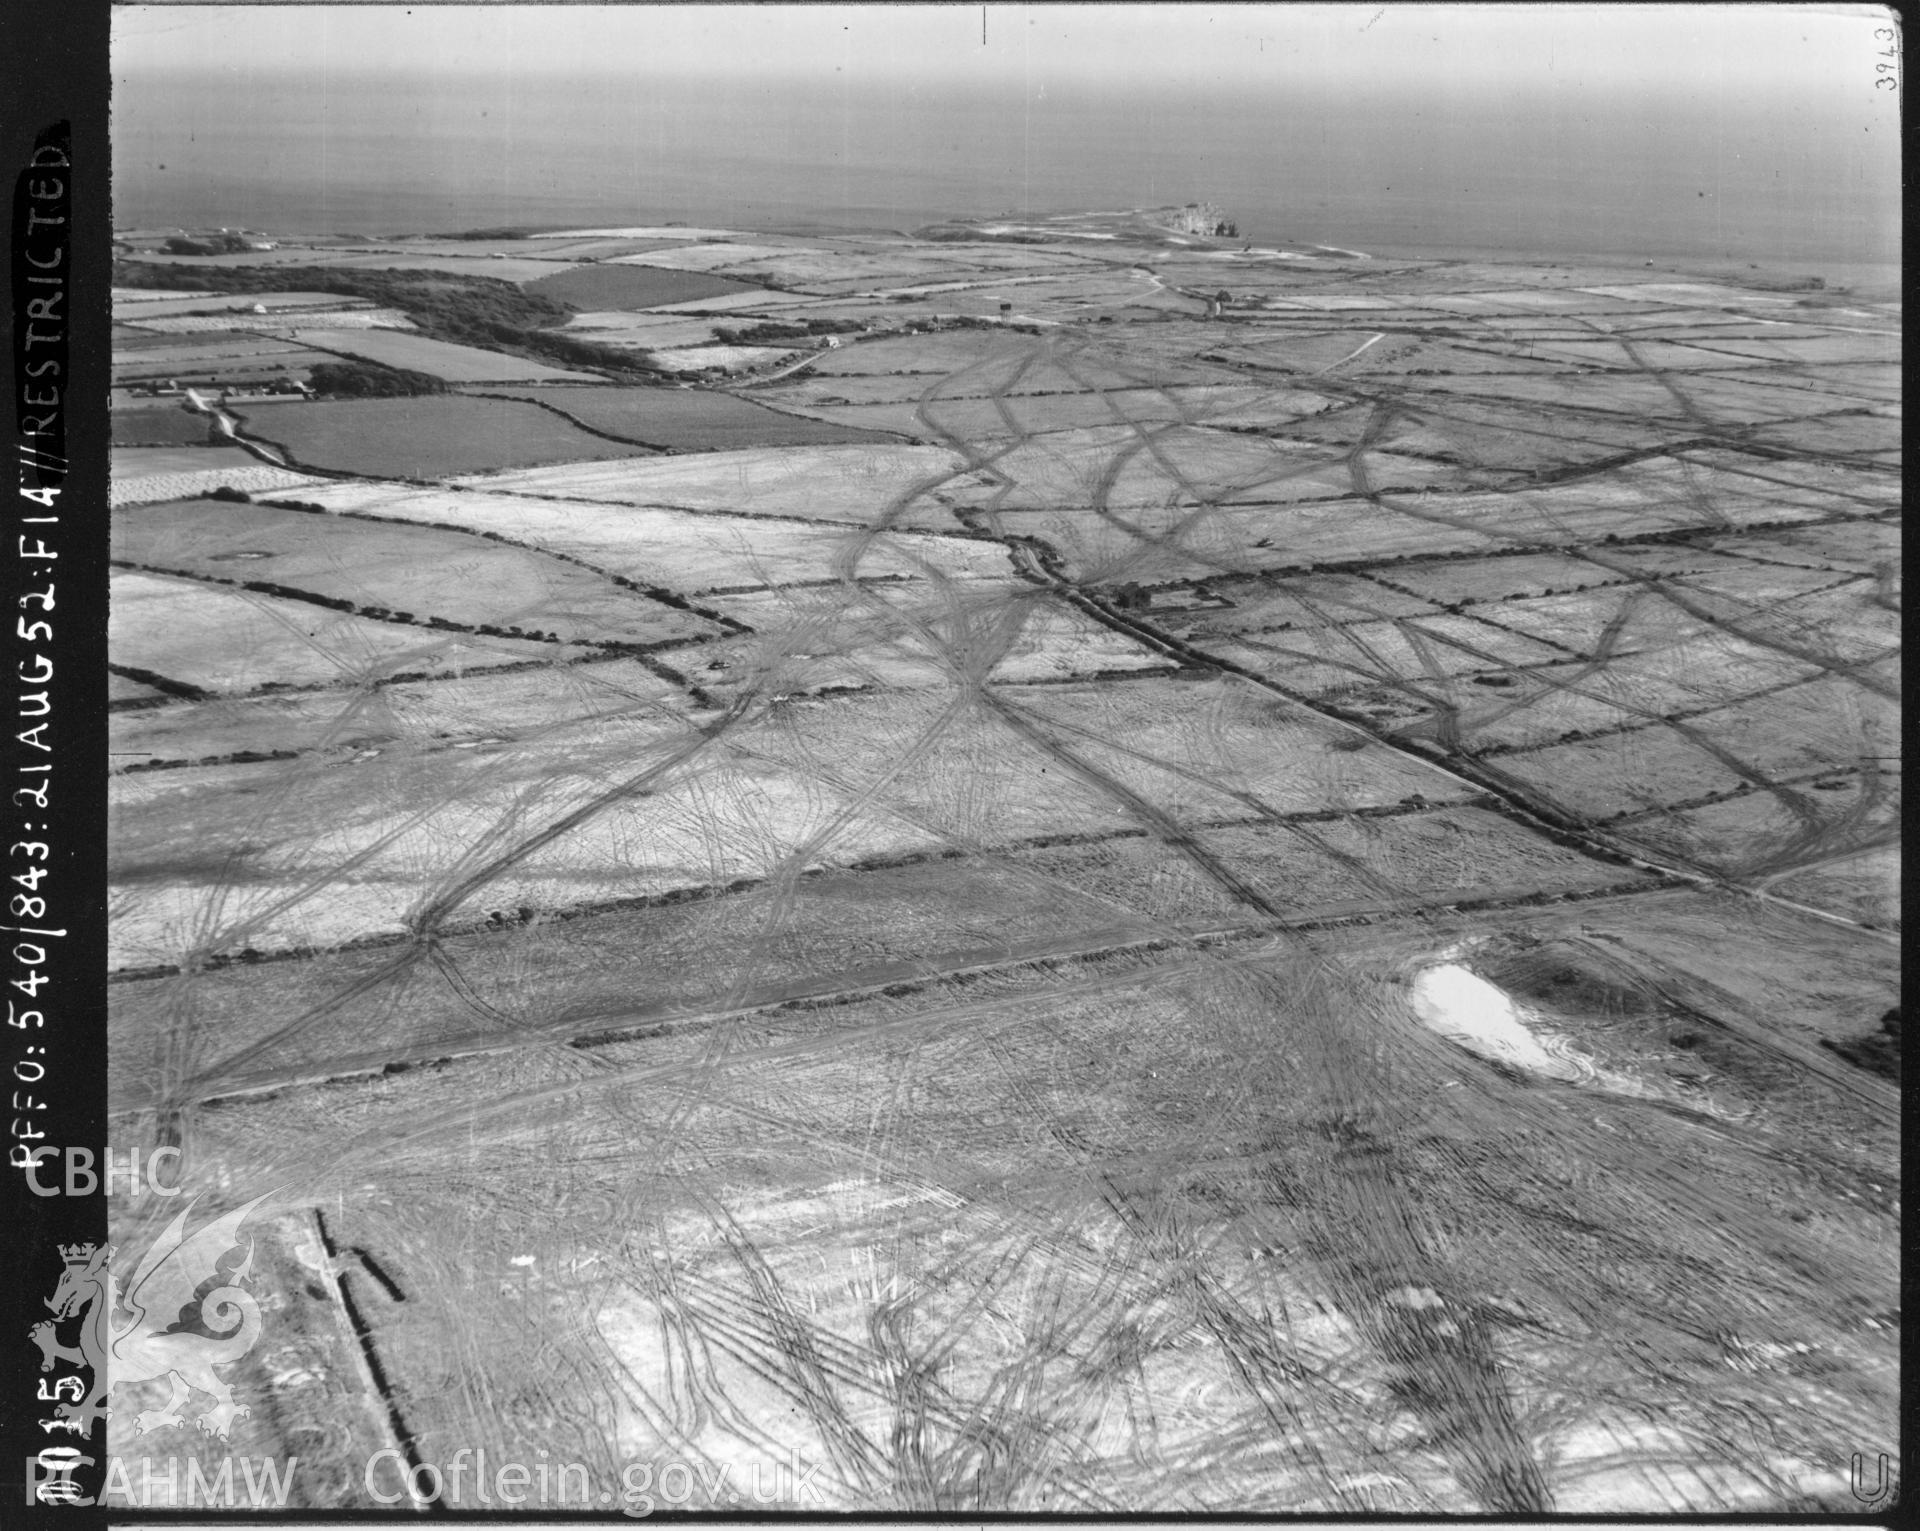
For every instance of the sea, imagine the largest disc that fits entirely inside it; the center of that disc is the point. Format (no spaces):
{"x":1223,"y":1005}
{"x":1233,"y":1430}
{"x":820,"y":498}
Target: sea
{"x":1775,"y":183}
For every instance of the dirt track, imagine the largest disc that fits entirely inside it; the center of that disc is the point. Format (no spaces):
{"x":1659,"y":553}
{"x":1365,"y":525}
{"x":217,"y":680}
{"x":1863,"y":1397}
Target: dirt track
{"x":1154,"y":1212}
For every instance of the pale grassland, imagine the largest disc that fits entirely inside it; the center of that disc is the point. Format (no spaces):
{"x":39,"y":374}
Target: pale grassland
{"x":722,"y":358}
{"x":244,"y":474}
{"x":313,"y":323}
{"x":437,"y":358}
{"x":842,"y":483}
{"x":222,"y":639}
{"x":700,"y":257}
{"x":676,"y":548}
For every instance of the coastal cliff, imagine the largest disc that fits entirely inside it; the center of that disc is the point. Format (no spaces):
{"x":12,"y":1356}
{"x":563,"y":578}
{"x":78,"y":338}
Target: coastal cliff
{"x":1201,"y":218}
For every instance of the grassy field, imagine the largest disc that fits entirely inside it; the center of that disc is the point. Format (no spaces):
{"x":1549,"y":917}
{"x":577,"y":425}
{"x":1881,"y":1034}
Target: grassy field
{"x":525,"y":272}
{"x":682,"y":420}
{"x":449,"y":709}
{"x":632,"y":287}
{"x":658,"y":232}
{"x":750,"y":301}
{"x":161,"y":426}
{"x":826,"y":269}
{"x":436,"y":358}
{"x":1032,"y":415}
{"x":854,"y":651}
{"x":787,"y":794}
{"x":217,"y":639}
{"x":847,"y":484}
{"x":720,"y":358}
{"x":123,"y":691}
{"x":421,"y":574}
{"x":1293,"y":911}
{"x":144,"y":306}
{"x":992,"y":1107}
{"x":355,"y":320}
{"x":202,"y":355}
{"x":139,"y":346}
{"x":147,"y":475}
{"x":676,"y":549}
{"x":700,"y":257}
{"x":426,"y":438}
{"x":640,"y":331}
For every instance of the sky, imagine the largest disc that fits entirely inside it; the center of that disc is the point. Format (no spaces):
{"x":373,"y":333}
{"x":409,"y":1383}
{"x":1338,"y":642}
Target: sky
{"x":1541,"y":125}
{"x":1709,"y":50}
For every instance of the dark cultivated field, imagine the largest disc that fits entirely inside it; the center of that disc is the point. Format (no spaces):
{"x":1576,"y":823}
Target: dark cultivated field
{"x":689,"y":420}
{"x":133,"y":340}
{"x":424,"y":437}
{"x":160,"y":426}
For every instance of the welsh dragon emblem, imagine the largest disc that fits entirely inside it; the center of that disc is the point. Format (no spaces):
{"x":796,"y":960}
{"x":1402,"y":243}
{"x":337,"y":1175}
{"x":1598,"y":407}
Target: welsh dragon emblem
{"x":141,"y":1334}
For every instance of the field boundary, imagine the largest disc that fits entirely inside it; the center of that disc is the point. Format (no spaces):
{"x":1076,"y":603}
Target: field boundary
{"x":912,"y":977}
{"x":1522,"y":806}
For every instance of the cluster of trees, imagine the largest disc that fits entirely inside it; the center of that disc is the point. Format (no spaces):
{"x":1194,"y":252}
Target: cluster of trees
{"x":554,"y":346}
{"x":370,"y":380}
{"x":970,"y":322}
{"x":775,"y":331}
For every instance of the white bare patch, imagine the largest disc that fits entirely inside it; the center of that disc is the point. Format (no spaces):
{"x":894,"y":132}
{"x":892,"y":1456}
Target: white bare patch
{"x":1472,"y":1013}
{"x":724,"y":358}
{"x":1479,"y":1016}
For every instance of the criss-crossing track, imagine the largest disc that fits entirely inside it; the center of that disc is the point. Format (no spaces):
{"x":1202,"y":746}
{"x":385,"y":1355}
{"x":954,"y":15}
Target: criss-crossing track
{"x":839,"y":1033}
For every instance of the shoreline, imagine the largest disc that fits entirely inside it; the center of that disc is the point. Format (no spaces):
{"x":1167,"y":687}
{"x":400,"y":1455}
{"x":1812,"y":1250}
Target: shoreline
{"x":1870,"y":280}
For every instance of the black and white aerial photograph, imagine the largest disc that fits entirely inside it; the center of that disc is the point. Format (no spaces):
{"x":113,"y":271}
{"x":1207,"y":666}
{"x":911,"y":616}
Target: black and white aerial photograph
{"x":934,"y":759}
